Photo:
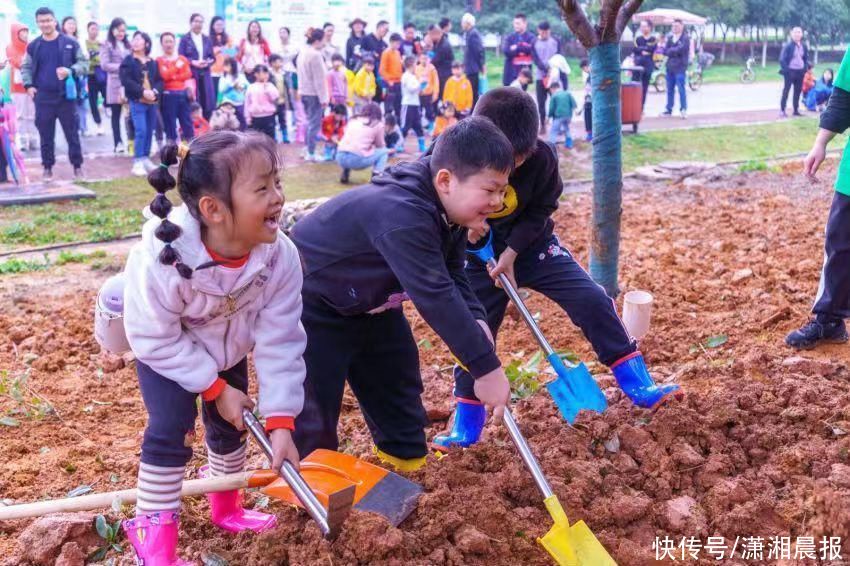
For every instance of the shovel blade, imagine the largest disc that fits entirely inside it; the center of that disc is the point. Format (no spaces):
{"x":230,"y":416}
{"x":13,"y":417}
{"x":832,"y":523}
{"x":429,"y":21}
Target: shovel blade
{"x":574,"y":390}
{"x":575,"y":545}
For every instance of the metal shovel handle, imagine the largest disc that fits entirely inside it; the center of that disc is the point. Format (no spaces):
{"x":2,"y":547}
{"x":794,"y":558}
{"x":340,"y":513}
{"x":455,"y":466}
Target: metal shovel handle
{"x":290,"y":474}
{"x":526,"y":454}
{"x":486,"y":254}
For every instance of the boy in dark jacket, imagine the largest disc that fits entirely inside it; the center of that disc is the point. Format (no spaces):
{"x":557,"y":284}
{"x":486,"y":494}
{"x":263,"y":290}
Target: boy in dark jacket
{"x":832,"y":304}
{"x":530,"y":254}
{"x":368,"y":250}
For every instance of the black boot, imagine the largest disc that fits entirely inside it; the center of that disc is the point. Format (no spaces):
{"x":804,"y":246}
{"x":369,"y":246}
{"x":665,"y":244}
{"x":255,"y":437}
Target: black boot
{"x":344,"y":178}
{"x":816,"y":332}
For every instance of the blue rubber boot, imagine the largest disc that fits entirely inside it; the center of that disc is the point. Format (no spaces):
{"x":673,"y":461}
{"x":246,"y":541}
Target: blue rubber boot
{"x":422,"y":147}
{"x":469,"y":420}
{"x":329,"y":152}
{"x":635,"y":381}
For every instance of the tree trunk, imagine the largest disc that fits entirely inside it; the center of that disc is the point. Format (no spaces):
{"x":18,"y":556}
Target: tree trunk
{"x":764,"y":52}
{"x":724,"y":31}
{"x":607,"y":165}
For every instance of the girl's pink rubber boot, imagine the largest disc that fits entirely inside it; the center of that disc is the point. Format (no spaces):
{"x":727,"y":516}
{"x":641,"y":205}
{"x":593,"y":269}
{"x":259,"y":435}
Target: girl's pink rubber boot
{"x":154,"y":538}
{"x":227,"y":512}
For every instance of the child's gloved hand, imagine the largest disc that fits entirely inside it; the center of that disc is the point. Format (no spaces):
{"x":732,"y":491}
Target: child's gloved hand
{"x":494,"y":391}
{"x":283,"y":448}
{"x":230,"y":403}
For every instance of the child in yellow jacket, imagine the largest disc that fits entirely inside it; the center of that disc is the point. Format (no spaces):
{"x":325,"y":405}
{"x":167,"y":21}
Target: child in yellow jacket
{"x":458,"y":90}
{"x":364,"y":84}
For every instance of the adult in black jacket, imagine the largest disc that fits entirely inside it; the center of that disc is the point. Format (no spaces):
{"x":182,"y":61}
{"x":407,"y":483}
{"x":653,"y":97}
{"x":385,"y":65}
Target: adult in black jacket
{"x":201,"y":60}
{"x":443,"y":57}
{"x":793,"y":62}
{"x":354,"y":45}
{"x":142,"y":87}
{"x":473,"y":54}
{"x":374,"y":45}
{"x":518,"y":49}
{"x":645,"y":44}
{"x":678,"y":50}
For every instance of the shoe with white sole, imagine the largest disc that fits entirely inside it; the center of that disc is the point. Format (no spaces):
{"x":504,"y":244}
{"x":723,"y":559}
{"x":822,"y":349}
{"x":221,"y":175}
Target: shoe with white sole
{"x":138,"y":169}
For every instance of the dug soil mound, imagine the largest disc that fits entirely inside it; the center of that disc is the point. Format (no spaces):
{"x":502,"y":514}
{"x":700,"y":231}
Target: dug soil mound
{"x":759,"y":446}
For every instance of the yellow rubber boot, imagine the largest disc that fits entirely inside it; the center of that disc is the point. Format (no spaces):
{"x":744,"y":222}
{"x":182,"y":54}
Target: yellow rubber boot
{"x":399,"y":464}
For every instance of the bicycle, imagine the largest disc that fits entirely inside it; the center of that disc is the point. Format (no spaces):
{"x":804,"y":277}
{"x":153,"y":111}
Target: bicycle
{"x":704,"y":61}
{"x":748,"y":75}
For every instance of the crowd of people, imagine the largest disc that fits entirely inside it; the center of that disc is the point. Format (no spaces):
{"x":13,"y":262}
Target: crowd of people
{"x":317,"y":92}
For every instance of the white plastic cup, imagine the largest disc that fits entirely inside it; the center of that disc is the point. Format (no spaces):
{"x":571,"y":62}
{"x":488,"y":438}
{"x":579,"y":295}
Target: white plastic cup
{"x":637,"y":311}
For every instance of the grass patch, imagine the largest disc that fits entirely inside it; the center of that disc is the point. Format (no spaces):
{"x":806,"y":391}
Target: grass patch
{"x":723,"y":143}
{"x":16,"y":265}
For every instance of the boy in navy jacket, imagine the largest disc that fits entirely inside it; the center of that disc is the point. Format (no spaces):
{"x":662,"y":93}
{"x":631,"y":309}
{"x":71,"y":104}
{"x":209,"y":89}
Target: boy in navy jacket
{"x":531,"y":255}
{"x":366,"y":251}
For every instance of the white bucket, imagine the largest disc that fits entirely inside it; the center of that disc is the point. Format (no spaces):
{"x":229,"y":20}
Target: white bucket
{"x":637,"y":311}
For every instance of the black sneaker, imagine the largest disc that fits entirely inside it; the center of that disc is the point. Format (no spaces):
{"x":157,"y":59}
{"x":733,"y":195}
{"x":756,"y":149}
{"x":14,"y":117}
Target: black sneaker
{"x":47,"y":175}
{"x":78,"y":174}
{"x":344,"y":178}
{"x":815,"y":332}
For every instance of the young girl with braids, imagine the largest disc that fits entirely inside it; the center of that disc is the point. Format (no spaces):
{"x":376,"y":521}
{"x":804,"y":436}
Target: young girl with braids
{"x":212,"y":280}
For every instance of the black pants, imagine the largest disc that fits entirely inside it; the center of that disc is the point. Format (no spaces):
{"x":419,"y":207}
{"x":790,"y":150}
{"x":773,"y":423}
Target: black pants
{"x":171,"y":417}
{"x":429,"y":107}
{"x":548,"y":268}
{"x":378,"y":355}
{"x":644,"y":78}
{"x":264,"y":124}
{"x":793,"y":77}
{"x":281,"y":119}
{"x":115,"y":112}
{"x":46,"y":114}
{"x":411,"y":119}
{"x":833,"y":298}
{"x":175,"y":108}
{"x":542,"y":95}
{"x":96,"y":90}
{"x":473,"y":81}
{"x":588,"y":115}
{"x":392,"y":103}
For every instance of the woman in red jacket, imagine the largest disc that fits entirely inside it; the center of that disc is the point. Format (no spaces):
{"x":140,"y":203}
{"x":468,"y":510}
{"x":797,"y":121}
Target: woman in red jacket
{"x":175,"y":70}
{"x":253,"y":50}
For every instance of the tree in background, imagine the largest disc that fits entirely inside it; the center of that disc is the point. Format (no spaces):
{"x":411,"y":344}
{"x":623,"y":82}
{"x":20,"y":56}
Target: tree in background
{"x":764,"y":14}
{"x":602,"y":42}
{"x":820,"y":19}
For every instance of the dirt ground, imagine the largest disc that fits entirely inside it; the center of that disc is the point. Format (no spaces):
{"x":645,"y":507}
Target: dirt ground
{"x":758,"y":447}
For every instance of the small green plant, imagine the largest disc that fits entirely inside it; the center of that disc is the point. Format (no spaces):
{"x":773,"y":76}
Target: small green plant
{"x":523,"y":376}
{"x":28,"y":403}
{"x":752,"y":165}
{"x":111,"y":535}
{"x":15,"y":265}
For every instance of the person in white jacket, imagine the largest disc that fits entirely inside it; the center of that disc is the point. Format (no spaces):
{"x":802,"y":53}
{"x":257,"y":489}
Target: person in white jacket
{"x":211,"y":281}
{"x":411,"y":113}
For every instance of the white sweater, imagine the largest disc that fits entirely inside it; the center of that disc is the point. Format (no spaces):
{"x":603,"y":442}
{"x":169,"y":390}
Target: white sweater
{"x":175,"y":325}
{"x":410,"y":89}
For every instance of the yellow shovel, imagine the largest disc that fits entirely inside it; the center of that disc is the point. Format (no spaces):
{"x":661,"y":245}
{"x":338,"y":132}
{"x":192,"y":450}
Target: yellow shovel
{"x":569,"y":545}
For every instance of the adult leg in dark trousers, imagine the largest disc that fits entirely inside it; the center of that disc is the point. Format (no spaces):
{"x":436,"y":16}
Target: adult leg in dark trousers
{"x":379,"y":356}
{"x":833,"y":298}
{"x":95,"y":90}
{"x":644,"y":78}
{"x":473,"y":81}
{"x":560,"y":278}
{"x":46,"y":114}
{"x":541,"y":102}
{"x":793,"y":78}
{"x":115,"y":118}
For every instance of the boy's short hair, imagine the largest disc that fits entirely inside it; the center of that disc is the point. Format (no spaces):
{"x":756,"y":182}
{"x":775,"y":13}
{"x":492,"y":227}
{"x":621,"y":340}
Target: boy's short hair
{"x":274,"y":58}
{"x":554,"y":85}
{"x":194,"y":107}
{"x":339,"y":109}
{"x":457,"y":65}
{"x":444,"y":22}
{"x":44,"y":11}
{"x":409,"y":61}
{"x":337,"y":57}
{"x":470,"y":146}
{"x":544,"y":25}
{"x":515,"y":114}
{"x":584,"y":63}
{"x":395,"y":37}
{"x":520,"y":16}
{"x":409,"y":25}
{"x":389,"y":120}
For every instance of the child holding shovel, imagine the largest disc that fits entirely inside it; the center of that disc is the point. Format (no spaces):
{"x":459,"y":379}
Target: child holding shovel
{"x":211,"y":281}
{"x":530,"y":254}
{"x":366,"y":251}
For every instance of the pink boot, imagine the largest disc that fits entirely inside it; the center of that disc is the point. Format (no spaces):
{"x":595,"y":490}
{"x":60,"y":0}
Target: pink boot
{"x":228,"y":514}
{"x":154,"y":538}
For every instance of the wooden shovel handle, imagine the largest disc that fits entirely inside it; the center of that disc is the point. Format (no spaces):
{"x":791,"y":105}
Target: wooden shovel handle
{"x":103,"y":500}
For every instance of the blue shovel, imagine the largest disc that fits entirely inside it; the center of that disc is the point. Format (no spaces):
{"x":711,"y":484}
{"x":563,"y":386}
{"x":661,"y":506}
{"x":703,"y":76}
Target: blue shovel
{"x":574,"y":389}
